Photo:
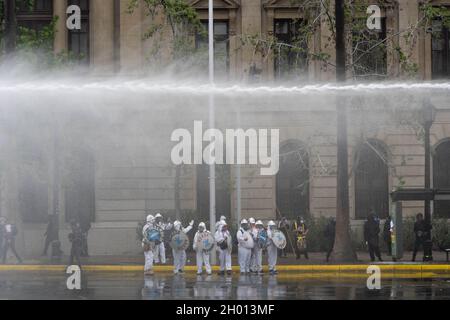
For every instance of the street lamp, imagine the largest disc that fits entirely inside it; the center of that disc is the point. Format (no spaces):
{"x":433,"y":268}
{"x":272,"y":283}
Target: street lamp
{"x":428,"y":114}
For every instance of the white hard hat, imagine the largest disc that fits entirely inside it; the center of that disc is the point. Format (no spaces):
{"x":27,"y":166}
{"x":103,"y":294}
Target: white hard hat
{"x":259,"y":222}
{"x":202,"y":224}
{"x":177,"y":223}
{"x":251,"y":220}
{"x":271,"y":223}
{"x":150,"y":218}
{"x":158,"y":215}
{"x":223,"y":218}
{"x":244,"y":221}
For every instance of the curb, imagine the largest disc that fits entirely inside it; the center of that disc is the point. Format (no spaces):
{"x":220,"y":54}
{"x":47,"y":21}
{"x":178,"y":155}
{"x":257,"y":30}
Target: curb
{"x":392,"y":271}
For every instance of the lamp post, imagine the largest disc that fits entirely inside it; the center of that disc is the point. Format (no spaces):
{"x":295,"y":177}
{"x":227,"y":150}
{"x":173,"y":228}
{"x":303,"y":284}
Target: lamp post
{"x":212,"y":167}
{"x":428,"y":113}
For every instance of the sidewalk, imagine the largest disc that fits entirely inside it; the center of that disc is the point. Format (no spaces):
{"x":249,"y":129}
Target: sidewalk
{"x":316,"y":261}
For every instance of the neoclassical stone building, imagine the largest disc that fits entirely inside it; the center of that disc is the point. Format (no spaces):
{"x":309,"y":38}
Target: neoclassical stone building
{"x":116,"y":181}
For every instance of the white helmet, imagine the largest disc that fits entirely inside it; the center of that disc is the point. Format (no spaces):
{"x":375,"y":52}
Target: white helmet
{"x":202,"y":224}
{"x":244,"y":221}
{"x":251,"y":220}
{"x":150,"y":218}
{"x":259,"y":223}
{"x":271,"y":223}
{"x":223,"y":218}
{"x":158,"y":215}
{"x":177,"y":225}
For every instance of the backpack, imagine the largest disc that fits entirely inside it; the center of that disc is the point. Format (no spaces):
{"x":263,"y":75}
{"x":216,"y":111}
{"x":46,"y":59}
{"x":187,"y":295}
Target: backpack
{"x":223,"y":245}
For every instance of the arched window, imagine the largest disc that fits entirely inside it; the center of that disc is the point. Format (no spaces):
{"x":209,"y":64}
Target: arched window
{"x":33,"y":189}
{"x":371,"y":180}
{"x":441,"y":178}
{"x":223,"y":191}
{"x":33,"y":177}
{"x":292,"y":184}
{"x":80,"y":186}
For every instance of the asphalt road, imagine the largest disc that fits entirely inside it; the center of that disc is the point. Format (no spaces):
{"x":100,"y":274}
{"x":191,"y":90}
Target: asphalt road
{"x":133,"y":285}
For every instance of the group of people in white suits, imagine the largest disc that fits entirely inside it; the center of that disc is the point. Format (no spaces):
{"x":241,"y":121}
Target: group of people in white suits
{"x":155,"y":251}
{"x":249,"y":248}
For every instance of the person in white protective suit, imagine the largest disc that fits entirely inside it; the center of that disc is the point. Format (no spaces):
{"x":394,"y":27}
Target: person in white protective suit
{"x":272,"y":250}
{"x":254,"y":233}
{"x":179,"y":256}
{"x":218,"y":223}
{"x":224,"y":247}
{"x":159,"y":250}
{"x":257,"y":249}
{"x":202,"y":255}
{"x":148,"y":250}
{"x":245,"y":246}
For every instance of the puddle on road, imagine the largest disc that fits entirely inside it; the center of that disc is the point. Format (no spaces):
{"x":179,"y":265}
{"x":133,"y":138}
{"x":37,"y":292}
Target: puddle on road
{"x":166,"y":286}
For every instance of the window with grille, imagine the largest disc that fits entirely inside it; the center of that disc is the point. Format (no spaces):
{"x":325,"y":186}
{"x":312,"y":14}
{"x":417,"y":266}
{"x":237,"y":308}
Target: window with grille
{"x":34,"y":15}
{"x":221,"y":46}
{"x":369,"y":51}
{"x":291,"y":50}
{"x":79,"y":39}
{"x":440,"y":50}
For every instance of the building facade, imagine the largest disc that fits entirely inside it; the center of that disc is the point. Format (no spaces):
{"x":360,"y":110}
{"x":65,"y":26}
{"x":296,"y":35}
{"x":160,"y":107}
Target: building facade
{"x":114,"y":184}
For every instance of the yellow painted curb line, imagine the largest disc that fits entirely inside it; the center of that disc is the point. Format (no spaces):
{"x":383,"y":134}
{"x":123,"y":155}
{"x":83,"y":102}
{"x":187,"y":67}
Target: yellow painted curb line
{"x":332,"y":269}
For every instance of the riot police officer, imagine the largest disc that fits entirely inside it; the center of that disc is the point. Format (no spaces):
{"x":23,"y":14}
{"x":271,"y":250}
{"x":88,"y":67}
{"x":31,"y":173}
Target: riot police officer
{"x":371,"y":236}
{"x":421,"y":230}
{"x":76,"y":238}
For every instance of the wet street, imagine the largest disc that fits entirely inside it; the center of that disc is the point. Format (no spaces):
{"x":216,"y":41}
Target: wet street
{"x":131,"y":285}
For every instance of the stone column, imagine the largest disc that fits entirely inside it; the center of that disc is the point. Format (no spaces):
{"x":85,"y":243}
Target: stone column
{"x":408,"y":17}
{"x":270,"y":72}
{"x":251,"y":26}
{"x":59,"y":10}
{"x":101,"y":20}
{"x":327,"y":44}
{"x":233,"y":44}
{"x":130,"y":39}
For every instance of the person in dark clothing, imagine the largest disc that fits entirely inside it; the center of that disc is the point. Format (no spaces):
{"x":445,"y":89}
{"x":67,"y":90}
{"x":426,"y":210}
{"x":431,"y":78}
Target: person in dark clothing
{"x":85,"y":226}
{"x":387,"y":234}
{"x":301,"y":230}
{"x":167,"y":237}
{"x":51,"y":234}
{"x":330,"y":233}
{"x":283,"y":226}
{"x":371,"y":236}
{"x":9,"y":238}
{"x":2,"y":234}
{"x":421,"y":230}
{"x":76,"y":238}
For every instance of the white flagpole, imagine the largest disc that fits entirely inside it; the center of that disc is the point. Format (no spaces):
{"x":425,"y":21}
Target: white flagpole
{"x":212,"y":167}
